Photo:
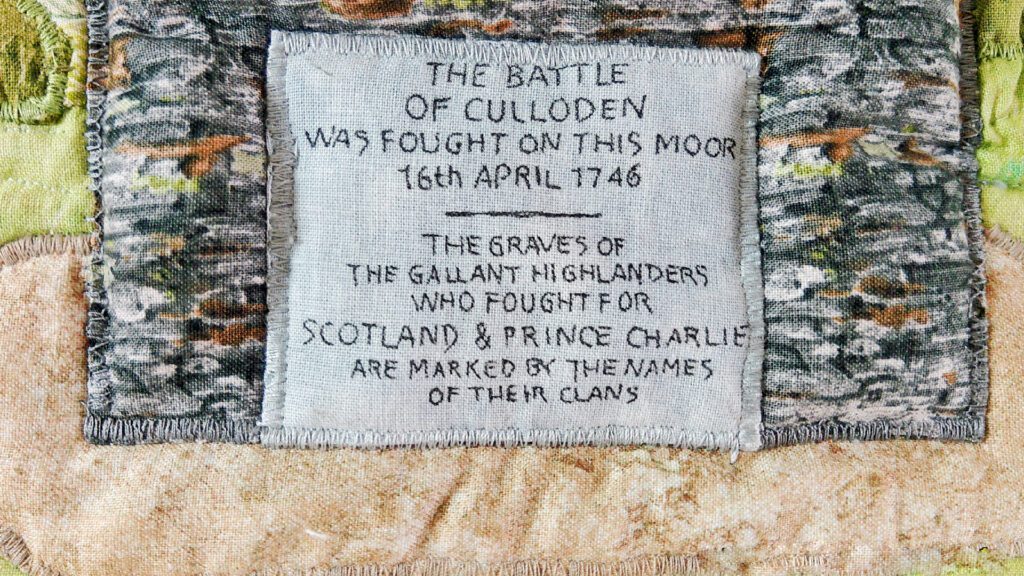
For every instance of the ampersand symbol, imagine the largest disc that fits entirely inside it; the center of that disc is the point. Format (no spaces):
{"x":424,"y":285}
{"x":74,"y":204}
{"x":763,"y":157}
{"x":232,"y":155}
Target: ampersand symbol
{"x":483,"y":339}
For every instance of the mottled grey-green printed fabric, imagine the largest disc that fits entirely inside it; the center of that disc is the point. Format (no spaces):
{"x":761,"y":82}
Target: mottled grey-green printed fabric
{"x":873,"y":296}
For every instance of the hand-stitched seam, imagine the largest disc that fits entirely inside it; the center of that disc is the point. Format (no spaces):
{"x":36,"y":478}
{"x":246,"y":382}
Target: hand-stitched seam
{"x":972,"y":426}
{"x":1000,"y":49}
{"x":1005,"y":241}
{"x":281,"y":232}
{"x":962,"y":428}
{"x":37,"y":185}
{"x":49,"y":106}
{"x":970,"y":135}
{"x":132,"y":430}
{"x":405,"y":47}
{"x":752,"y":275}
{"x":441,"y":438}
{"x":96,"y":324}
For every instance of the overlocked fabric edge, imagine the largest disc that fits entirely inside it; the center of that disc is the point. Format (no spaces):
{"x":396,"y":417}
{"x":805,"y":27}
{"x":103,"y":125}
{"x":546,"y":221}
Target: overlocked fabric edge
{"x":280,"y":224}
{"x":106,"y":429}
{"x":973,"y":465}
{"x":133,"y":430}
{"x":971,"y":428}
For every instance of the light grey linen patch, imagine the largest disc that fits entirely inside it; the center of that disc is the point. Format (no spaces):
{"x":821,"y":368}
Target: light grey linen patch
{"x":508,"y":243}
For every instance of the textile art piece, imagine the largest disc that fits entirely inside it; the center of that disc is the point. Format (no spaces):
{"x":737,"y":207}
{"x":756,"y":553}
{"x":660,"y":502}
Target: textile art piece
{"x":445,"y":301}
{"x":181,"y":96}
{"x":36,"y":58}
{"x":870,"y":254}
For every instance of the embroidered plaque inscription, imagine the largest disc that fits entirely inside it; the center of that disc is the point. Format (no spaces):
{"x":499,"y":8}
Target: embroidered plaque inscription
{"x":504,"y":243}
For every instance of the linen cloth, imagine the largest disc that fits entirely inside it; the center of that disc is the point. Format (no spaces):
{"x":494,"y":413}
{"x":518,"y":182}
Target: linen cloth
{"x":872,"y":293}
{"x":71,"y":508}
{"x":582,"y":300}
{"x":1001,"y":74}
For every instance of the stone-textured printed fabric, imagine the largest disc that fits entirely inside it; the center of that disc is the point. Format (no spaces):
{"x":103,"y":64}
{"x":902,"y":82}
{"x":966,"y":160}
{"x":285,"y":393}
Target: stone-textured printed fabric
{"x":1001,"y":75}
{"x":183,"y":212}
{"x":868,"y":272}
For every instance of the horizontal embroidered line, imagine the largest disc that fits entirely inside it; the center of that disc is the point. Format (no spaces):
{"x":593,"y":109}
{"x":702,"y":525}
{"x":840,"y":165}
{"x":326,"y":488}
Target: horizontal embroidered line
{"x":404,"y":47}
{"x":607,"y":435}
{"x":522,"y":214}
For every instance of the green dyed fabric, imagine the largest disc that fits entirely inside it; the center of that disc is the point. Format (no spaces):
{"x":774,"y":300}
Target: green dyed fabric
{"x":44,"y":187}
{"x":1001,"y":73}
{"x":44,"y":184}
{"x":985,"y":565}
{"x":23,"y":75}
{"x":35,"y":56}
{"x":8,"y":569}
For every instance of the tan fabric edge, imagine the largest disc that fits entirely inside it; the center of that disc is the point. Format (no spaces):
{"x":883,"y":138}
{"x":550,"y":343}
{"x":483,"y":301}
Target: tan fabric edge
{"x":1005,"y":241}
{"x":919,"y":562}
{"x":14,"y":550}
{"x":25,"y":248}
{"x":727,"y":557}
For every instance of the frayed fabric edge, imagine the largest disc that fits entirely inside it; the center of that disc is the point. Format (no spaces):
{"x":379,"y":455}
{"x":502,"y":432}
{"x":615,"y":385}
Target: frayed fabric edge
{"x":752,"y":274}
{"x":134,"y":431}
{"x":808,"y":564}
{"x":540,"y":53}
{"x":25,"y":249}
{"x":1005,"y":241}
{"x":281,"y":234}
{"x":99,"y":381}
{"x":17,"y":552}
{"x":967,"y":429}
{"x":289,"y":437}
{"x":970,"y":136}
{"x":280,"y":231}
{"x":100,"y":429}
{"x":13,"y":548}
{"x":49,"y":106}
{"x":644,"y":566}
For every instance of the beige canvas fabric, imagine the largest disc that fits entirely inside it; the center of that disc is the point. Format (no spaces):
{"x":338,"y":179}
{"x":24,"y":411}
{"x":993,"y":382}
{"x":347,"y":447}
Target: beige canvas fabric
{"x":72,"y":508}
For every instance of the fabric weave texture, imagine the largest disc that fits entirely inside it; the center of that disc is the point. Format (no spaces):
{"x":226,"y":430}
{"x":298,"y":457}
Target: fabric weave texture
{"x":870,"y":300}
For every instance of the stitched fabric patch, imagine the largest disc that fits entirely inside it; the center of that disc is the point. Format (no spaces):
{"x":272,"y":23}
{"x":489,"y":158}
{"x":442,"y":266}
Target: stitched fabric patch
{"x":501,"y":243}
{"x":871,"y":252}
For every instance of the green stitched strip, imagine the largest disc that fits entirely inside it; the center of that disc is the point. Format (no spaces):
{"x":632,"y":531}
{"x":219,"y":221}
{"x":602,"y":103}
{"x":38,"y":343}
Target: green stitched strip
{"x":44,"y":186}
{"x":23,"y":73}
{"x":1001,"y":77}
{"x":1001,"y":155}
{"x":34,"y":56}
{"x":69,"y":16}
